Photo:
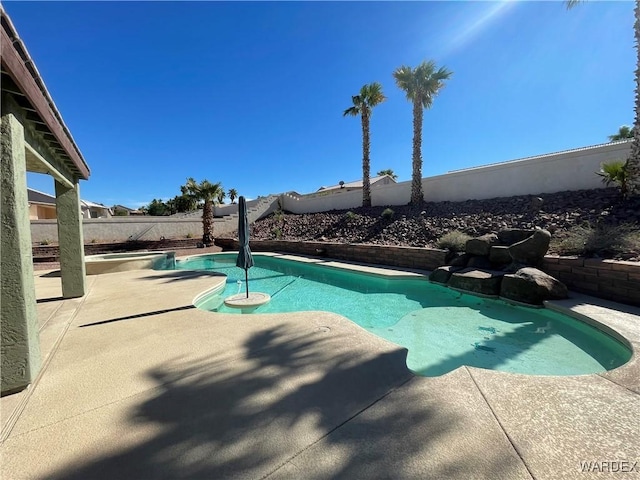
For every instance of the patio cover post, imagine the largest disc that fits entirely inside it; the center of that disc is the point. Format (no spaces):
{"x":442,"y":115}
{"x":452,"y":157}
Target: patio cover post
{"x":70,"y":240}
{"x":21,"y":359}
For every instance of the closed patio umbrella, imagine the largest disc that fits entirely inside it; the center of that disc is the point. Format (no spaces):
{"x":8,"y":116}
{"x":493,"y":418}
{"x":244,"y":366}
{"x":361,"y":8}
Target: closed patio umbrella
{"x":245,"y":259}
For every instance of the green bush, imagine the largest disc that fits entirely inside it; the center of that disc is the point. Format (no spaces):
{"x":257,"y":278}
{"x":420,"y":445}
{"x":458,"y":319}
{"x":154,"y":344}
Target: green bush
{"x":454,"y":241}
{"x":600,"y":240}
{"x":350,"y":215}
{"x":387,"y":213}
{"x":616,"y":172}
{"x":277,"y":233}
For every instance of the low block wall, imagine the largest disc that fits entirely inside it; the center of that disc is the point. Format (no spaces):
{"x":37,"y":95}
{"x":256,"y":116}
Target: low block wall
{"x":609,"y":279}
{"x":409,"y":257}
{"x":120,"y":229}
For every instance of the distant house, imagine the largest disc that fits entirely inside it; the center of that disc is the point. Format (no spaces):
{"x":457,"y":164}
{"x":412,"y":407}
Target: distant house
{"x":356,"y":185}
{"x":42,"y":206}
{"x":122,"y":211}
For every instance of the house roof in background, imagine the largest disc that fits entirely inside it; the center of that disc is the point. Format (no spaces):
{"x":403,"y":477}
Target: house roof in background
{"x":35,"y":196}
{"x":355,"y":184}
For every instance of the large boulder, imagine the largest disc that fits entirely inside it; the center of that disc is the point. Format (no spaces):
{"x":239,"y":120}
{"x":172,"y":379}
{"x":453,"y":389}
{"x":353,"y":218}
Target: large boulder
{"x":479,"y":262}
{"x":442,"y":274}
{"x":460,"y":260}
{"x":478,"y":281}
{"x":531,"y":251}
{"x":481,"y":245}
{"x":499,"y":254}
{"x":510,"y":236}
{"x":530,"y":285}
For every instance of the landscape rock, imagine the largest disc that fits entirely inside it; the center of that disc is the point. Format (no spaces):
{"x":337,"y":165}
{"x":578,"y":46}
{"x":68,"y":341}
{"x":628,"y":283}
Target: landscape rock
{"x":476,"y":261}
{"x":426,"y":224}
{"x":509,"y":236}
{"x":460,"y":260}
{"x":530,"y":285}
{"x":499,"y":254}
{"x":477,"y":281}
{"x":532,"y":250}
{"x":481,"y":245}
{"x":442,"y":274}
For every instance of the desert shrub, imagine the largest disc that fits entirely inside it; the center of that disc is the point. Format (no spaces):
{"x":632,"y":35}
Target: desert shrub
{"x":454,"y":241}
{"x":350,"y":215}
{"x":45,"y":242}
{"x":600,"y":240}
{"x":189,"y":235}
{"x":277,"y":233}
{"x":387,"y":213}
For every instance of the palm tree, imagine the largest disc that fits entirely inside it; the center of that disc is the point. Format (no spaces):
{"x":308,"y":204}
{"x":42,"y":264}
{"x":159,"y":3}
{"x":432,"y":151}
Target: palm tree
{"x":369,"y":96}
{"x":389,"y":172}
{"x":616,"y":172}
{"x":208,"y":193}
{"x":421,"y":85}
{"x":633,"y":165}
{"x":221,"y":196}
{"x":233,"y":194}
{"x":624,"y":132}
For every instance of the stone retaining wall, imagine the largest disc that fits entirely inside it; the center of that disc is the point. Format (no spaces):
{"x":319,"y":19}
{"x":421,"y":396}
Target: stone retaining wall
{"x":608,"y":279}
{"x":409,"y":257}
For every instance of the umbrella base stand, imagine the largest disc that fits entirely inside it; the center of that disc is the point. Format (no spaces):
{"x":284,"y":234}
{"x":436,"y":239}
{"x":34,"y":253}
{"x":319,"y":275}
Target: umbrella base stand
{"x":245,"y":304}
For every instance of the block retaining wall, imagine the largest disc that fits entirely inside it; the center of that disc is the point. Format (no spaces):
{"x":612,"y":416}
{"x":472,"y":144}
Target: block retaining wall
{"x":607,"y":279}
{"x":410,"y":257}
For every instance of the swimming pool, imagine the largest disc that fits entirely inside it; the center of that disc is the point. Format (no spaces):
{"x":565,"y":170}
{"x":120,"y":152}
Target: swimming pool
{"x":442,"y":329}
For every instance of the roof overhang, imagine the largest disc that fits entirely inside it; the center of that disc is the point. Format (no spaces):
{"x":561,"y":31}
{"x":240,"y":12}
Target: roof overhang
{"x":50,"y":146}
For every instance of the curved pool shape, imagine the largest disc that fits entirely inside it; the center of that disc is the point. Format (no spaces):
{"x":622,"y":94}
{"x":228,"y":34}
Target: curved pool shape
{"x":442,"y":329}
{"x":120,"y":262}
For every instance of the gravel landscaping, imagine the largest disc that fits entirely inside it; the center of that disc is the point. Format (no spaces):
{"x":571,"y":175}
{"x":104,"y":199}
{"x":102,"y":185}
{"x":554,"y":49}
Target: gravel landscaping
{"x":560,"y":213}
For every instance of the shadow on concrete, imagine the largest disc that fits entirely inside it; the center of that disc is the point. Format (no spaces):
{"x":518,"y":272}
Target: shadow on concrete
{"x":139,"y":315}
{"x":54,"y":274}
{"x":180,"y":275}
{"x":292,"y":402}
{"x":50,"y":299}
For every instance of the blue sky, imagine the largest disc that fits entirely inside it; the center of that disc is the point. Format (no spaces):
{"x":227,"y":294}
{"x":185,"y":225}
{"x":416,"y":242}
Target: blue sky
{"x":252,"y":94}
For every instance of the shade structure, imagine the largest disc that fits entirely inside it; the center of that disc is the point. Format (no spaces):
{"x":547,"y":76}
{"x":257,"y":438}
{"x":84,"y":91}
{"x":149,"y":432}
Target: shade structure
{"x":245,"y":259}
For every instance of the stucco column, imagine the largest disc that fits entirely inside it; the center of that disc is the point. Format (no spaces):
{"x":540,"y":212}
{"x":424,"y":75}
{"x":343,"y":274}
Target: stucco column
{"x":71,"y":241}
{"x":20,"y":348}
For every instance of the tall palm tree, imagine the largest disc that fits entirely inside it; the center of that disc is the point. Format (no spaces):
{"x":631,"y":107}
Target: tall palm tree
{"x":624,"y":132}
{"x":363,"y":103}
{"x":633,"y":165}
{"x":233,"y":194}
{"x":421,"y":84}
{"x":208,"y":193}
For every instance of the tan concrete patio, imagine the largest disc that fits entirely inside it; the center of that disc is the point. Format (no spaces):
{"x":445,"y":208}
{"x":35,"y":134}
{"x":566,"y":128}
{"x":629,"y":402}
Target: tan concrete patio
{"x":138,"y":384}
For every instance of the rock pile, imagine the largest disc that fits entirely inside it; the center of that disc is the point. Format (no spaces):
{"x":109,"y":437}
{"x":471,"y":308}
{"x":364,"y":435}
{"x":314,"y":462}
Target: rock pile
{"x":423,"y":226}
{"x":504,"y":264}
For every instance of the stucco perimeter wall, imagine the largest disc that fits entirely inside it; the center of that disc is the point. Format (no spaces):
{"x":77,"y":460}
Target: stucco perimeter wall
{"x":123,"y":228}
{"x":573,"y":170}
{"x":558,"y":172}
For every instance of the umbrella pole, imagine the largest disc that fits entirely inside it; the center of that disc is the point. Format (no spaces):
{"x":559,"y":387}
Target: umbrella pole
{"x":246,"y":279}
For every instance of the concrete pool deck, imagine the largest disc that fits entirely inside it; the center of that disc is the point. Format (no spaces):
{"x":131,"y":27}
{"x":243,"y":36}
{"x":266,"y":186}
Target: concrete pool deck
{"x":138,"y":384}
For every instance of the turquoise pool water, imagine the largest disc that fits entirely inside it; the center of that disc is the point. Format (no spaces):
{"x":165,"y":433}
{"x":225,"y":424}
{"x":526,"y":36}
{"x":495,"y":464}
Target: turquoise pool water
{"x":442,"y":329}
